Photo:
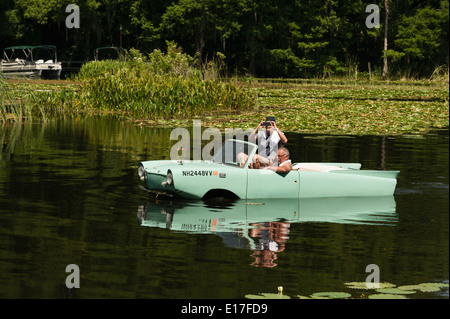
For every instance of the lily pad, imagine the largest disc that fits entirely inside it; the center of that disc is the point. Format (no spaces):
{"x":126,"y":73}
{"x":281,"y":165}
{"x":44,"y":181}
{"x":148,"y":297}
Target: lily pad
{"x":437,"y":284}
{"x":425,"y":287}
{"x":267,"y":296}
{"x":387,"y":296}
{"x":370,"y":285}
{"x":395,"y":291}
{"x":331,"y":295}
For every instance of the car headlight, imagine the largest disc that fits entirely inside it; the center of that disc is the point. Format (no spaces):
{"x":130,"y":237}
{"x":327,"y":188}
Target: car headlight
{"x":169,"y":179}
{"x":141,"y":172}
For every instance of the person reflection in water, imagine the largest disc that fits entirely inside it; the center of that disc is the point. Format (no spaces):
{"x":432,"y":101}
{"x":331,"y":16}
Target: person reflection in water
{"x":271,"y":238}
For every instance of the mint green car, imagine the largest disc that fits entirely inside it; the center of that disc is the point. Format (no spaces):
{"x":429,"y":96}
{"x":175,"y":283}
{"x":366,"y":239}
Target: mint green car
{"x":238,"y":216}
{"x":222,"y":176}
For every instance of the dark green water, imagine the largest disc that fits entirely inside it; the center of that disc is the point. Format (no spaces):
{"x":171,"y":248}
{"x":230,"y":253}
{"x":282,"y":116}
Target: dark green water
{"x":69,"y":195}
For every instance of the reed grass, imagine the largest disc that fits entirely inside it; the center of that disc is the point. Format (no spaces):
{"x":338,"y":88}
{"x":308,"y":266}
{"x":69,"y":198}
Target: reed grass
{"x":160,"y":85}
{"x":12,"y":107}
{"x":28,"y":100}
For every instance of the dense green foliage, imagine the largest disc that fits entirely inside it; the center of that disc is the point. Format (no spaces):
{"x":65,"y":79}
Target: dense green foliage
{"x":159,"y":86}
{"x":316,"y":38}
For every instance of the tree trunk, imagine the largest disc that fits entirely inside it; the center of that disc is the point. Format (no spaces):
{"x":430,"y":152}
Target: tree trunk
{"x":200,"y":44}
{"x":252,"y":47}
{"x":385,"y":61}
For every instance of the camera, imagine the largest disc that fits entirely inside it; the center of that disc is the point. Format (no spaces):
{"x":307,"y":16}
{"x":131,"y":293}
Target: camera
{"x":267,"y":123}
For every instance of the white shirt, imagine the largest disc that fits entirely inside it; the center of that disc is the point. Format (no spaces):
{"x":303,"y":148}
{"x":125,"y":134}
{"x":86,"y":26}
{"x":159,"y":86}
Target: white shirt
{"x":288,"y":161}
{"x":274,"y":140}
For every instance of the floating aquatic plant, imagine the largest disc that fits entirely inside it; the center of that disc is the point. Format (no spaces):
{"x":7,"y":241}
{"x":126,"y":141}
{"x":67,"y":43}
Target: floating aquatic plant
{"x":385,"y":290}
{"x":395,"y":291}
{"x":172,"y":94}
{"x":365,"y":285}
{"x":387,"y":296}
{"x":425,"y":287}
{"x":267,"y":296}
{"x":331,"y":295}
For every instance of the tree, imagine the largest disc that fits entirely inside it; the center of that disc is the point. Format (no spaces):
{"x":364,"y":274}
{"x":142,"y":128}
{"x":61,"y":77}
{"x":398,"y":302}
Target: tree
{"x":145,"y":17}
{"x":276,"y":38}
{"x":189,"y":20}
{"x":421,"y":37}
{"x":385,"y":48}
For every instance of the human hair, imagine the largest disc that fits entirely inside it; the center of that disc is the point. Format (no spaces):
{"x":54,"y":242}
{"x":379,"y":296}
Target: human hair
{"x":285,"y":150}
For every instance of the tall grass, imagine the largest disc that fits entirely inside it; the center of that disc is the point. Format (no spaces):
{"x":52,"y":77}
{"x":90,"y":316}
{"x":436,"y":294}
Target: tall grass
{"x":32,"y":100}
{"x":12,"y":107}
{"x":441,"y":73}
{"x":160,"y":85}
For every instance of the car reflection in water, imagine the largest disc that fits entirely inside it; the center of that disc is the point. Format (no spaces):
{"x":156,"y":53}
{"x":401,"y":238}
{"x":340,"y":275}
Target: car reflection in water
{"x":263,"y":226}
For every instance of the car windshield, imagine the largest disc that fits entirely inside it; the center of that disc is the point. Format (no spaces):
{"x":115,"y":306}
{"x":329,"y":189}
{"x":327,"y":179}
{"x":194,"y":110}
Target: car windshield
{"x":228,"y":154}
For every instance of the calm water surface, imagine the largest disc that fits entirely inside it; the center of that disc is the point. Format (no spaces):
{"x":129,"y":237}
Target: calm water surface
{"x":69,"y":195}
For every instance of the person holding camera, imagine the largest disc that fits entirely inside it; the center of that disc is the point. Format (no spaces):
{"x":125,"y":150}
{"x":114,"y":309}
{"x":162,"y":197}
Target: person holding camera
{"x":269,"y":139}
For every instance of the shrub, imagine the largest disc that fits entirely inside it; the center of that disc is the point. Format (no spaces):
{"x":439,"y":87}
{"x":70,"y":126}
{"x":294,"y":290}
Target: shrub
{"x":162,"y":85}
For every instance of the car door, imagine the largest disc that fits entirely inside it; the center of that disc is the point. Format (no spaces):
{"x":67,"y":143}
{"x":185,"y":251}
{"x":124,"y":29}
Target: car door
{"x":265,"y":183}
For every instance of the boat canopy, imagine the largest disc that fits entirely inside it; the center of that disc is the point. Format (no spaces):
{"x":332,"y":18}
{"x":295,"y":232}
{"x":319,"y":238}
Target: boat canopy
{"x":109,"y":53}
{"x":21,"y":47}
{"x":26,"y":52}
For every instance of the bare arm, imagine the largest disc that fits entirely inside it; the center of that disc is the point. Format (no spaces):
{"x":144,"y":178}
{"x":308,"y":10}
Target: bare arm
{"x":252,"y":137}
{"x":283,"y":137}
{"x":280,"y":169}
